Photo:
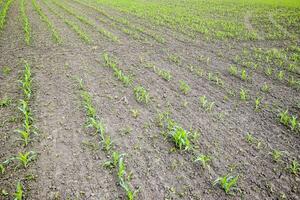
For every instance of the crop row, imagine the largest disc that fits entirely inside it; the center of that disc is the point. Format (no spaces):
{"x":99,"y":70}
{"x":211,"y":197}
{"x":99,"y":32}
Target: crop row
{"x":117,"y":160}
{"x":55,"y":35}
{"x":3,"y":13}
{"x":26,"y":23}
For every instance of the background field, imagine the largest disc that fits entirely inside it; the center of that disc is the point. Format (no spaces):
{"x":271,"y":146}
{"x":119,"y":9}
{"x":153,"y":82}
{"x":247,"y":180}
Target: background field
{"x":179,"y":93}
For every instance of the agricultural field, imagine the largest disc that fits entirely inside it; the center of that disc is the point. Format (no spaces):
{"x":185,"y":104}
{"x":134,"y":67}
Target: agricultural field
{"x":149,"y":99}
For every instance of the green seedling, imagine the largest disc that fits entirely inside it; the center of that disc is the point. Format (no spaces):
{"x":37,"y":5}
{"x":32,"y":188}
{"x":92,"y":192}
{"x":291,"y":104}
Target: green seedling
{"x":233,"y":70}
{"x":268,"y":71}
{"x":284,"y":117}
{"x":294,"y":167}
{"x":244,"y":76}
{"x":294,"y":123}
{"x":130,"y":193}
{"x":114,"y":161}
{"x":141,"y":95}
{"x":135,"y":113}
{"x":227,"y":182}
{"x":26,"y":158}
{"x":174,"y":58}
{"x":87,"y":101}
{"x":257,"y":103}
{"x":243,"y":94}
{"x":2,"y":169}
{"x":250,"y":138}
{"x":184,"y":87}
{"x":19,"y":192}
{"x":280,"y":75}
{"x":265,"y":88}
{"x":180,"y":138}
{"x":6,"y":70}
{"x":5,"y":102}
{"x":26,"y":24}
{"x":203,"y":159}
{"x":276,"y":155}
{"x":107,"y":143}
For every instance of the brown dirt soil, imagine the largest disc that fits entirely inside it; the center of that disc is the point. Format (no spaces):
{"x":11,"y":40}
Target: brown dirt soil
{"x":70,"y":158}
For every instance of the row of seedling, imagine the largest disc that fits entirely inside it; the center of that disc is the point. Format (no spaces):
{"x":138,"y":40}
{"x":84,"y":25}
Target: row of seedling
{"x":124,"y":177}
{"x":277,"y":156}
{"x":26,"y":24}
{"x":3,"y":13}
{"x":82,"y":35}
{"x":23,"y":159}
{"x":55,"y":35}
{"x":117,"y":159}
{"x":164,"y":74}
{"x":140,"y":93}
{"x":289,"y":120}
{"x":87,"y":21}
{"x":133,"y":29}
{"x":93,"y":120}
{"x":183,"y":140}
{"x":243,"y":75}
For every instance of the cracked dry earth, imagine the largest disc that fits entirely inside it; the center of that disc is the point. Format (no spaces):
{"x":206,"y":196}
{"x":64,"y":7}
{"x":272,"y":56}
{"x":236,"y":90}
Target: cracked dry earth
{"x":70,"y":158}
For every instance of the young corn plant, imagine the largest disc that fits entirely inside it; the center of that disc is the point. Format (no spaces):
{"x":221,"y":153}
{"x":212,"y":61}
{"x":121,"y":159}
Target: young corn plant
{"x":19,"y":194}
{"x":180,"y":137}
{"x":205,"y":104}
{"x":141,"y":94}
{"x":26,"y":24}
{"x":26,"y":82}
{"x":233,"y":70}
{"x":114,"y":161}
{"x":228,"y":183}
{"x":257,"y":103}
{"x":280,"y":75}
{"x":184,"y":87}
{"x":25,"y":158}
{"x":294,"y":167}
{"x":277,"y":155}
{"x":243,"y":94}
{"x":244,"y":75}
{"x":25,"y":133}
{"x":204,"y":160}
{"x":265,"y":88}
{"x":3,"y":13}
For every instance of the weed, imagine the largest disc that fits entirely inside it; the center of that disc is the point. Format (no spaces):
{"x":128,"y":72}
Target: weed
{"x":203,"y":159}
{"x":250,"y":138}
{"x":268,"y":71}
{"x":184,"y":87}
{"x":141,"y":94}
{"x":19,"y":192}
{"x":227,"y":182}
{"x":6,"y":70}
{"x":5,"y":102}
